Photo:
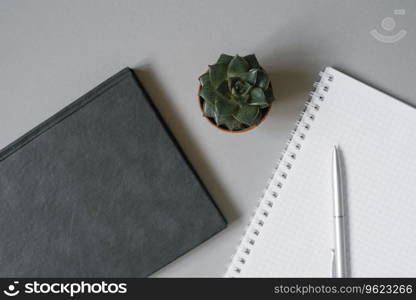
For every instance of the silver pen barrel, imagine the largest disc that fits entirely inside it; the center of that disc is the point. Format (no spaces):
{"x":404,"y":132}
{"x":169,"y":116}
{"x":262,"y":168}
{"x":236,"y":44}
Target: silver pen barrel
{"x":340,"y":258}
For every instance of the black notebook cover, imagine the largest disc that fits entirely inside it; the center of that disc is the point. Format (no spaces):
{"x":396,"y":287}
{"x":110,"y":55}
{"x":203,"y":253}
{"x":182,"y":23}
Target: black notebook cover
{"x":101,"y":189}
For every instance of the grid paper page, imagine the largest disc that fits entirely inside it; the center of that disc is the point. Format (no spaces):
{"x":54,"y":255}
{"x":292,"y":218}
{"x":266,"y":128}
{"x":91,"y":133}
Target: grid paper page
{"x":377,"y":136}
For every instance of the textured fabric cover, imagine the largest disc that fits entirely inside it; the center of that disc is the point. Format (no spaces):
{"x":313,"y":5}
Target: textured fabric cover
{"x":100,"y":189}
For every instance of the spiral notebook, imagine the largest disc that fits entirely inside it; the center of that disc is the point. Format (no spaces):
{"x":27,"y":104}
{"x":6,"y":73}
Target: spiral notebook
{"x":291,"y":233}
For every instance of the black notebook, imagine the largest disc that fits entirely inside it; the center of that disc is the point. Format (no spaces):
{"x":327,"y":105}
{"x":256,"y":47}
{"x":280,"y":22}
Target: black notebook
{"x":101,"y":189}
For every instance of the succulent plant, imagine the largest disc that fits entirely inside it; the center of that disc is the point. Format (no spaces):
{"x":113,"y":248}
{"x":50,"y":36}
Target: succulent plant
{"x":235,"y":92}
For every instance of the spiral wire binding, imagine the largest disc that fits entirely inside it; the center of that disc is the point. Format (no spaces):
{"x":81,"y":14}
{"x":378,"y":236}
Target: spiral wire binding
{"x":282,"y":168}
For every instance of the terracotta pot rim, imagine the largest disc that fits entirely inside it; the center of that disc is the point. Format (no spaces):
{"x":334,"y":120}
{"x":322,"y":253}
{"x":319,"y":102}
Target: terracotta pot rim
{"x":200,"y":101}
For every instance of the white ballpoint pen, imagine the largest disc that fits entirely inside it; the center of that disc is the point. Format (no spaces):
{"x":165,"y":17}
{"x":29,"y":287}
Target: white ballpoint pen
{"x":340,"y":256}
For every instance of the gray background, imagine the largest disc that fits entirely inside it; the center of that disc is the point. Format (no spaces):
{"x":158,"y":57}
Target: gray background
{"x":52,"y":52}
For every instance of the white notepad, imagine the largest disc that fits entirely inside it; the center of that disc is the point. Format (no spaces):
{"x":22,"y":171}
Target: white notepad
{"x":291,"y":233}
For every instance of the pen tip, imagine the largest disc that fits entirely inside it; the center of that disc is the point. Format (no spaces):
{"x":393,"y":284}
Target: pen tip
{"x":335,"y":151}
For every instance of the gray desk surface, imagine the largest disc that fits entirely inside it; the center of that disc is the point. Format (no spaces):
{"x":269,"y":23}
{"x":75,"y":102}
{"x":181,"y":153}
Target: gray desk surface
{"x":52,"y":52}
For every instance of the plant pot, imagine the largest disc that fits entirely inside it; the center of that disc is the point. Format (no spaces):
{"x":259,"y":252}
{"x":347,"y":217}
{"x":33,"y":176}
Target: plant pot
{"x":264,"y":113}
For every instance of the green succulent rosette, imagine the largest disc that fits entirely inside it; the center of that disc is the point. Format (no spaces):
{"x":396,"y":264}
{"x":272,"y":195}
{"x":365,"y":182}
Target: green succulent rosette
{"x":235,"y":92}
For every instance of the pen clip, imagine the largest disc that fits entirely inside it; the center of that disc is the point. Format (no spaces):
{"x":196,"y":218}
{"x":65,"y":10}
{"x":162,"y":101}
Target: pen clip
{"x":333,"y":267}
